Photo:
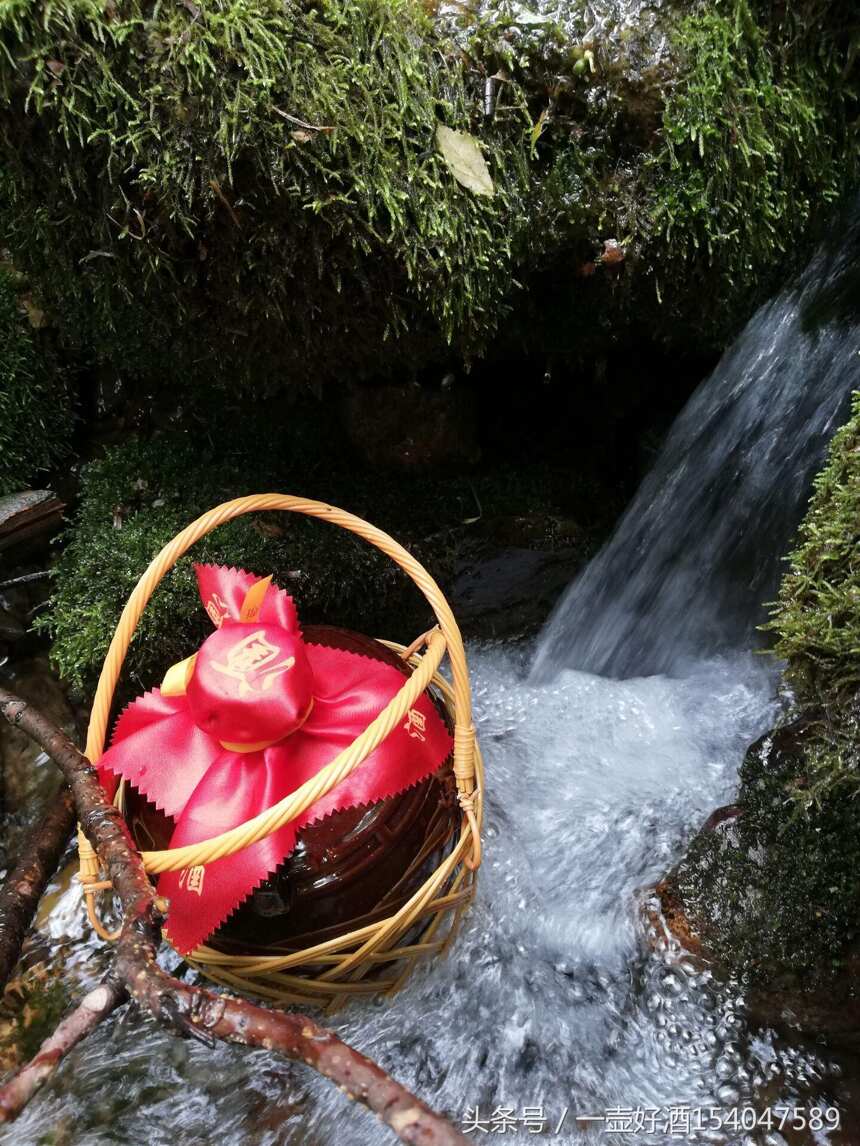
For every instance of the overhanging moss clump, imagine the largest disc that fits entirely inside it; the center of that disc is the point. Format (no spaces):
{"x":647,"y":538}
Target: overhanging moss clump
{"x":252,"y":192}
{"x":35,"y":406}
{"x":709,"y":147}
{"x":202,"y":188}
{"x":755,"y":139}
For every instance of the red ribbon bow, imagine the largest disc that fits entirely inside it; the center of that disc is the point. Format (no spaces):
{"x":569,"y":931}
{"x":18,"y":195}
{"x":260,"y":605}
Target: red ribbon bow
{"x":250,"y":717}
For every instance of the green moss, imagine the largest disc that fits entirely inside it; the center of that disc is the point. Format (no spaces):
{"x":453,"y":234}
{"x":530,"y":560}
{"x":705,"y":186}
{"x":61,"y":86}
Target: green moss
{"x":141,"y":494}
{"x":817,"y":619}
{"x":37,"y":1004}
{"x":756,"y":144}
{"x":778,"y":895}
{"x":182,"y":226}
{"x":247,"y":187}
{"x":713,"y":164}
{"x":35,"y":410}
{"x":817,"y":616}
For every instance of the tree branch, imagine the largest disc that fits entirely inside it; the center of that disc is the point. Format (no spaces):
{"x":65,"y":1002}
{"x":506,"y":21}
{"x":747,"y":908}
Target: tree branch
{"x":20,"y":895}
{"x":193,"y":1010}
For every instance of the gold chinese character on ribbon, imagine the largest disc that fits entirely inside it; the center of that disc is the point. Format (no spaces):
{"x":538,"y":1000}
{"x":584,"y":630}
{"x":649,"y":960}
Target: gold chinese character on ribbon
{"x":192,"y":878}
{"x":217,"y":610}
{"x":416,"y":724}
{"x":250,"y":661}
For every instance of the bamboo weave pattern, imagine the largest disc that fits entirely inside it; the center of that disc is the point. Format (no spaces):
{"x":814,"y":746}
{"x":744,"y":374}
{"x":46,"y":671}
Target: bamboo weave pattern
{"x":377,"y":957}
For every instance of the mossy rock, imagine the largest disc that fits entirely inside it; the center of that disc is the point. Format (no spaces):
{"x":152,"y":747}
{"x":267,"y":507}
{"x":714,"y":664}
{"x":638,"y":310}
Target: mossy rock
{"x":817,"y":619}
{"x":252,"y":193}
{"x":204,"y":189}
{"x":35,"y":403}
{"x":817,"y":615}
{"x":773,"y":890}
{"x":135,"y":499}
{"x":33,"y":1003}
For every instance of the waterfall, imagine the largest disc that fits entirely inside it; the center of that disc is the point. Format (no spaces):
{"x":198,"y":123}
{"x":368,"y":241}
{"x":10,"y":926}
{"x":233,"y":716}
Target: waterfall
{"x":698,"y":551}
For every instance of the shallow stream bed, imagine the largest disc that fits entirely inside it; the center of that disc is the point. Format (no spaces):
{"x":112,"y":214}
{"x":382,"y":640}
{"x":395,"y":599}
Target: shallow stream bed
{"x":563,"y":997}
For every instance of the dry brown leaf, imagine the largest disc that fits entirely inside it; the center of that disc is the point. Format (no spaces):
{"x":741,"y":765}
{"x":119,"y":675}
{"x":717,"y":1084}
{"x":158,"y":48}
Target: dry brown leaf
{"x":35,"y":315}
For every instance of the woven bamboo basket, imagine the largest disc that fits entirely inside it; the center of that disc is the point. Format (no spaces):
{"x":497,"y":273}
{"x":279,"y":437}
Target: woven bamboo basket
{"x":378,"y":957}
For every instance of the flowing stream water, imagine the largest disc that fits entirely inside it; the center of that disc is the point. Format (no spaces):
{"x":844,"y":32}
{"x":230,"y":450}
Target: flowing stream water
{"x":564,"y":997}
{"x":700,"y":547}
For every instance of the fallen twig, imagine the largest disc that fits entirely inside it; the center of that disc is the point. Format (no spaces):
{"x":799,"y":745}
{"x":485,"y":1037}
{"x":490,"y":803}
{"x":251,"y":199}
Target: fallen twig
{"x":216,"y":187}
{"x":26,"y":578}
{"x":20,"y":895}
{"x":192,"y":1010}
{"x":91,"y":1010}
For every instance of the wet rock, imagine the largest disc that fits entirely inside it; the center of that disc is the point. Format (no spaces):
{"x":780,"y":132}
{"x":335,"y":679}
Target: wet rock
{"x":12,"y":626}
{"x":541,"y":531}
{"x":768,"y":891}
{"x":28,"y":516}
{"x":510,"y":592}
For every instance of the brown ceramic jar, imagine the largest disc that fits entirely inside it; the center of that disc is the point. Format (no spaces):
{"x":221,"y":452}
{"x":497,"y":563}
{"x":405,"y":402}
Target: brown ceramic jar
{"x":347,"y":870}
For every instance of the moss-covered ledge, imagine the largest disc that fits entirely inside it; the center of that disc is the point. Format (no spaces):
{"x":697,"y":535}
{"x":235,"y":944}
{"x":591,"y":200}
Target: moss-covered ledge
{"x":771,"y":889}
{"x":200,"y":189}
{"x":252,"y":192}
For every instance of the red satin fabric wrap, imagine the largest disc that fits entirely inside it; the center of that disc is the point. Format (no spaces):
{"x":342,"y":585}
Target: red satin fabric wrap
{"x":187,"y":772}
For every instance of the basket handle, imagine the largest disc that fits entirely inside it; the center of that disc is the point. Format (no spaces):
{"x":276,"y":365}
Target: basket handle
{"x":451,"y":641}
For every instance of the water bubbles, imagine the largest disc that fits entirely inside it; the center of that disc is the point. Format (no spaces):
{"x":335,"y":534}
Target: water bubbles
{"x":724,"y":1068}
{"x":728,"y":1095}
{"x":714,"y":1137}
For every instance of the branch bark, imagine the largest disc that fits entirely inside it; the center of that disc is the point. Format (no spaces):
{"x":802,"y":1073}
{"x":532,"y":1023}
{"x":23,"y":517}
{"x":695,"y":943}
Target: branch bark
{"x":20,"y":895}
{"x":193,"y":1011}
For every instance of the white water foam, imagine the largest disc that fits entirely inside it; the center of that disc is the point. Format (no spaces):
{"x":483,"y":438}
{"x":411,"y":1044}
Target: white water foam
{"x":558,"y":993}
